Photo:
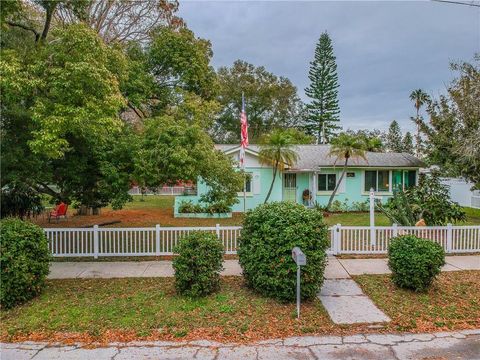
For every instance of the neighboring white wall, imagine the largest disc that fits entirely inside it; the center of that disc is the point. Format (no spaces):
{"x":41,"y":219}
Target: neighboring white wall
{"x":460,"y":191}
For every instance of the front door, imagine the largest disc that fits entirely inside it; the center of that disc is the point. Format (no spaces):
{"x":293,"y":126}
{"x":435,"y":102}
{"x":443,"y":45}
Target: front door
{"x":290,"y":187}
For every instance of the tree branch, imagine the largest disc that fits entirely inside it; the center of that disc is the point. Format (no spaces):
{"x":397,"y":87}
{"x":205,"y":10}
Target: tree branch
{"x":139,"y":113}
{"x":25,"y":27}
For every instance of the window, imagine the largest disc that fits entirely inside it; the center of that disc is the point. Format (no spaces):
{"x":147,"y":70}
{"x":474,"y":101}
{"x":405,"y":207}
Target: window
{"x":379,"y":180}
{"x":403,"y":179}
{"x":370,"y":180}
{"x":410,"y":178}
{"x":327,"y":182}
{"x":248,"y":184}
{"x":383,"y":181}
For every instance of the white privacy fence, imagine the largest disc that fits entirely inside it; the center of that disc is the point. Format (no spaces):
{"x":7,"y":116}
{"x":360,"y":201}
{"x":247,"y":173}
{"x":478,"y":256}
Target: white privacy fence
{"x":156,"y":241}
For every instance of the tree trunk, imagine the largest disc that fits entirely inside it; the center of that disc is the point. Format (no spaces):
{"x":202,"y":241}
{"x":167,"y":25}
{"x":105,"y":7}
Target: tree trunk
{"x":273,"y":181}
{"x":338,"y":184}
{"x":48,"y":21}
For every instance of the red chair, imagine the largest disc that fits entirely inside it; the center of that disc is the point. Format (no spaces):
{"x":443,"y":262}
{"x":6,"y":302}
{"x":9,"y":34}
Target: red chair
{"x":60,"y":211}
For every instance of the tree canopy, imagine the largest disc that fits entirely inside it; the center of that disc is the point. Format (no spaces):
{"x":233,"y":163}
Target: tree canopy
{"x":271,"y":102}
{"x":453,"y":130}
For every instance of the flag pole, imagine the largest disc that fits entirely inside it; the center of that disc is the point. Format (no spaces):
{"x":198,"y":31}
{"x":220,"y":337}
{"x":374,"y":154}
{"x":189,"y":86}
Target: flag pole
{"x":244,"y":173}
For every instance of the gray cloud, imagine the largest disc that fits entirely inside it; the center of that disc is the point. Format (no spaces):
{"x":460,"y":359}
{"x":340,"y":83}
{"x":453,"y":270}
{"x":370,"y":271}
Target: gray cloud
{"x":384,"y":49}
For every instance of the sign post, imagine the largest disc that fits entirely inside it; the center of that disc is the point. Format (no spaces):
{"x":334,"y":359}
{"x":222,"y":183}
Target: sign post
{"x":300,"y":259}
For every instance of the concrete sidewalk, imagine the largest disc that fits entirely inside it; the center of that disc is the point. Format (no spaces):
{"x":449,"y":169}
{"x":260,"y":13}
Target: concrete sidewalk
{"x":123,"y":269}
{"x":463,"y":345}
{"x":336,"y":268}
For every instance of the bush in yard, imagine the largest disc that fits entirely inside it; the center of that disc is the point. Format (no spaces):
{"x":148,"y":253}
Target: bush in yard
{"x":25,"y":258}
{"x":198,"y":264}
{"x":414,"y":262}
{"x":269,"y":234}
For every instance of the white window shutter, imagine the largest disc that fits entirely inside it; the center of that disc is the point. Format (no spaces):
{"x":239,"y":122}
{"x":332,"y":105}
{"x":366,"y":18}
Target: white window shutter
{"x":256,"y":183}
{"x":342,"y":187}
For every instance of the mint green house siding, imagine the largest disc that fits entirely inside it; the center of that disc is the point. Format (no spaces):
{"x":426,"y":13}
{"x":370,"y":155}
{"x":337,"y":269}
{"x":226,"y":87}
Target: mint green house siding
{"x":260,"y":183}
{"x":319,"y":174}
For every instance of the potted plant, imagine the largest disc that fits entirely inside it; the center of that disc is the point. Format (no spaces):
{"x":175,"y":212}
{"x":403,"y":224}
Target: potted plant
{"x":306,"y":195}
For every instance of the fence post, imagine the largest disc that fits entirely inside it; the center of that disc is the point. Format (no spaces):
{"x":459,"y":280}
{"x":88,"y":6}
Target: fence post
{"x":449,"y":238}
{"x":338,"y":239}
{"x":95,"y":241}
{"x":157,"y":239}
{"x":333,"y":238}
{"x":395,"y":230}
{"x":217,"y":229}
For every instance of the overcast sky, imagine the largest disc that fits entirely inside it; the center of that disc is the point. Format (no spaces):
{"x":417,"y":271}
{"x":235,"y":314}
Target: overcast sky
{"x":384,"y":49}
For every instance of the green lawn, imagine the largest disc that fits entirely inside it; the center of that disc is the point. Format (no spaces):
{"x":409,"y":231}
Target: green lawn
{"x":148,"y":308}
{"x":150,"y":201}
{"x":452,"y":302}
{"x":157,"y":209}
{"x":356,"y":219}
{"x":473,"y":216}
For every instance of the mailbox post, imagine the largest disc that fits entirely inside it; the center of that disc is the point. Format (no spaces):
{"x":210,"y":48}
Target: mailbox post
{"x":301,"y":260}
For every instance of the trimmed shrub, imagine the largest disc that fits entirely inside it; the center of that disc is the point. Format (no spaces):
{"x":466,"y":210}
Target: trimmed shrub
{"x":414,"y":262}
{"x":25,"y":258}
{"x":198,"y":264}
{"x":269,"y":234}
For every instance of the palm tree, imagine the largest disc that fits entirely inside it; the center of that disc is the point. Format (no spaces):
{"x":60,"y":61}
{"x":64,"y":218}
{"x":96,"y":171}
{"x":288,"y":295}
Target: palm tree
{"x":419,"y":98}
{"x":346,"y":146}
{"x":276,"y":150}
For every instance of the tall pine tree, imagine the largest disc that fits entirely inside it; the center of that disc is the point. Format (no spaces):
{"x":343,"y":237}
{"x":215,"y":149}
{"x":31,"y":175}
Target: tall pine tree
{"x":408,"y":143}
{"x":323,"y":110}
{"x":394,"y":140}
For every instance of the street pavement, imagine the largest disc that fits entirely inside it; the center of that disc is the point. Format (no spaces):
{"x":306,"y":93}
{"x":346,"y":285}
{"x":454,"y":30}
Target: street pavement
{"x":462,"y":345}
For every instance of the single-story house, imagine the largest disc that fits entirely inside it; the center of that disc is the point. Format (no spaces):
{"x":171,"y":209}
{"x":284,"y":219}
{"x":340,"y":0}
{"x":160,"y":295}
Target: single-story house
{"x":319,"y":172}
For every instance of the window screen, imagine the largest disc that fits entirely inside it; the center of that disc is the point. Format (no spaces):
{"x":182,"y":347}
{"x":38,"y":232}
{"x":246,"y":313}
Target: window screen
{"x":410,"y":178}
{"x":382,"y":180}
{"x":327,"y":182}
{"x":370,"y":180}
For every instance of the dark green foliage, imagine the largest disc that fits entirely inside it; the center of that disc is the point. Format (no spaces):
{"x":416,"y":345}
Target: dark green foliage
{"x":188,"y":207}
{"x":394,"y":138}
{"x":271,"y":102}
{"x":21,"y":201}
{"x":173,"y":149}
{"x":452,"y":128}
{"x":430,"y":200}
{"x":414,"y":262}
{"x":269,"y":234}
{"x":408,"y":143}
{"x":198,"y":264}
{"x":323,"y":110}
{"x":25,"y":258}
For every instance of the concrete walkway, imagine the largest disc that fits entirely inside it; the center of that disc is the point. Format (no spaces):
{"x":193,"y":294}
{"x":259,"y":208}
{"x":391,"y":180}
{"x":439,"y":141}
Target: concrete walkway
{"x":336,"y":268}
{"x":344,"y":300}
{"x":464,"y":345}
{"x":346,"y":303}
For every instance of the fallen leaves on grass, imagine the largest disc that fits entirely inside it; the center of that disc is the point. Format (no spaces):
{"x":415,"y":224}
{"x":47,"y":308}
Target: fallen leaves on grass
{"x":452,"y":302}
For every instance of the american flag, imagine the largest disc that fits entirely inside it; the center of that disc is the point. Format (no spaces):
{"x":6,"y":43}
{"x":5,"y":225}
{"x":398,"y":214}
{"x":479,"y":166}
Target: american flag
{"x":243,"y":133}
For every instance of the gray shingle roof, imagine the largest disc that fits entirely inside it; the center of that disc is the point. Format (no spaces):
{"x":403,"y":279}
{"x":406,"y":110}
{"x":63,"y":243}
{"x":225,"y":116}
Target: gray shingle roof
{"x":313,"y":157}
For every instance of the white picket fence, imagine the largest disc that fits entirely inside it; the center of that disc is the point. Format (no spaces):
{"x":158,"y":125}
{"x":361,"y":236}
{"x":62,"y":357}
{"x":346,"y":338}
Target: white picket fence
{"x":165,"y":190}
{"x":367,"y":240}
{"x":156,"y":241}
{"x":148,"y":241}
